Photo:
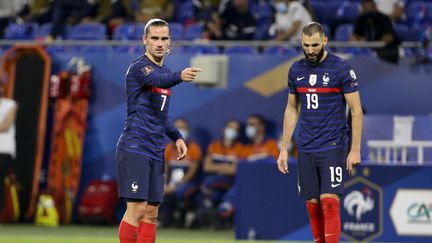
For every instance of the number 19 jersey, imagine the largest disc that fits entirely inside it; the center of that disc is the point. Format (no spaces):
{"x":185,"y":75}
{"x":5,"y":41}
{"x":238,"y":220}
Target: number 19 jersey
{"x":320,"y":90}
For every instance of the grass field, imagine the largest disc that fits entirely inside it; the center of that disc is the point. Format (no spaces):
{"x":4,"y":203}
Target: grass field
{"x":22,"y":233}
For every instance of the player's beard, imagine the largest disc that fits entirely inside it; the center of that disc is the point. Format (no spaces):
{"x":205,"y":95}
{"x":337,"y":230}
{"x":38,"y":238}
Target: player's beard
{"x":318,"y":56}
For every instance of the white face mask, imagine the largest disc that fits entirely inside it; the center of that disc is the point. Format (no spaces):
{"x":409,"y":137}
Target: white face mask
{"x":184,"y":133}
{"x":281,"y":7}
{"x":230,"y":133}
{"x":251,"y":132}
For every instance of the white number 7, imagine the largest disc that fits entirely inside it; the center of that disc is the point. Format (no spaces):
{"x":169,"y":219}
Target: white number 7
{"x":163,"y":102}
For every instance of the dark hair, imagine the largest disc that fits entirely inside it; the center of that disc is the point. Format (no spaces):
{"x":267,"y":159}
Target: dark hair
{"x":154,"y":22}
{"x":260,"y":119}
{"x":313,"y":28}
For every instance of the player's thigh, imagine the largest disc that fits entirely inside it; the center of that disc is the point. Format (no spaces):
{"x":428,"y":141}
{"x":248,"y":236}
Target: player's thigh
{"x":332,"y":170}
{"x":133,"y":175}
{"x":157,"y":181}
{"x":308,"y":178}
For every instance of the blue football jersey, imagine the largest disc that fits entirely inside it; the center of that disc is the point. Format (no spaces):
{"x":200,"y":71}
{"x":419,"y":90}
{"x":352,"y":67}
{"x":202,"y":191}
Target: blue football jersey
{"x":320,"y":90}
{"x":148,"y":98}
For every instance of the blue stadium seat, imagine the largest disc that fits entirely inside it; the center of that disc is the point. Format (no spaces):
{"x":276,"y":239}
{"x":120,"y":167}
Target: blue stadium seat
{"x":23,"y":31}
{"x":91,"y":31}
{"x":185,"y":12}
{"x":200,"y":49}
{"x":176,"y":31}
{"x":281,"y":50}
{"x":348,"y":12}
{"x":343,"y":32}
{"x":416,"y":13}
{"x":193,"y":31}
{"x":45,"y":30}
{"x":128,"y":32}
{"x":241,"y":50}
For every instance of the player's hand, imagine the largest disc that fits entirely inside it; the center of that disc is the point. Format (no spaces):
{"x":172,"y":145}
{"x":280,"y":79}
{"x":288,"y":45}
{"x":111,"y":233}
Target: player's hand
{"x":181,"y":148}
{"x":353,"y":160}
{"x":189,"y":74}
{"x":282,"y":162}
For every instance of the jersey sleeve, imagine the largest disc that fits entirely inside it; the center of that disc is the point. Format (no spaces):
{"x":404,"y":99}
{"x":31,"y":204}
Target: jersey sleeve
{"x":349,"y":80}
{"x":172,"y":132}
{"x":146,"y":75}
{"x":291,"y":85}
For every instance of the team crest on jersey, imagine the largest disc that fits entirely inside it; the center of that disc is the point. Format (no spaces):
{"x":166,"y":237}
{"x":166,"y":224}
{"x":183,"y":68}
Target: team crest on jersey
{"x":325,"y":79}
{"x":312,"y":79}
{"x":147,"y":70}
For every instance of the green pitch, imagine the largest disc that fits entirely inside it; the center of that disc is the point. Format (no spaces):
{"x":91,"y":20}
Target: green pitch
{"x":21,"y":233}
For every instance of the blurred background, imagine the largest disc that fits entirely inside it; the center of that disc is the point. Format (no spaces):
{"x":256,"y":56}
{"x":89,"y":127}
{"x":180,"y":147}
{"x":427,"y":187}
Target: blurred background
{"x":63,"y":66}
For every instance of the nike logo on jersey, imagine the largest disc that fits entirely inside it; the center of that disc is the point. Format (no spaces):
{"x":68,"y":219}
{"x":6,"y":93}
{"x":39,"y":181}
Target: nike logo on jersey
{"x":300,"y":78}
{"x":328,"y":235}
{"x":317,"y":239}
{"x":335,"y":185}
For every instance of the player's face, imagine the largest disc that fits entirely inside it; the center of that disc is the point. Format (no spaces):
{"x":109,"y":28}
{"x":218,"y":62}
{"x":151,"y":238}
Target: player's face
{"x":157,"y":41}
{"x":314,"y":47}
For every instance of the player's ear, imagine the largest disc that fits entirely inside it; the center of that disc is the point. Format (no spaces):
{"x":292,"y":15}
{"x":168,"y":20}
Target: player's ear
{"x":144,"y":40}
{"x":325,"y":40}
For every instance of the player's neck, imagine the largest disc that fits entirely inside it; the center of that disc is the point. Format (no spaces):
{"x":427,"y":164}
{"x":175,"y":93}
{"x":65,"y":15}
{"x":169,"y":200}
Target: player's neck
{"x":156,"y":60}
{"x":324,"y":56}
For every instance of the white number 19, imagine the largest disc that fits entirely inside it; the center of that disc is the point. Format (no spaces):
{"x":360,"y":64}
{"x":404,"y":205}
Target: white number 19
{"x":312,"y":101}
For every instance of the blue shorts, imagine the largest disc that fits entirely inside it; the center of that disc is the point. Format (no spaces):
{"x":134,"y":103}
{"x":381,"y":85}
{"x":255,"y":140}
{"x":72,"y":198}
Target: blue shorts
{"x":139,"y":177}
{"x":321,"y":172}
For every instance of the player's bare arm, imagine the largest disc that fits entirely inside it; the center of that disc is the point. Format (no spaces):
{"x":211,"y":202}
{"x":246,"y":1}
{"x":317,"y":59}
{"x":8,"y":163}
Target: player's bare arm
{"x":290,"y":120}
{"x":189,"y":74}
{"x":181,"y":149}
{"x":354,"y":103}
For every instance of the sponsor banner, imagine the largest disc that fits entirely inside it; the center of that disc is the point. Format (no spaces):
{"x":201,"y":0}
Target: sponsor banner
{"x":361,"y":210}
{"x":411,"y":212}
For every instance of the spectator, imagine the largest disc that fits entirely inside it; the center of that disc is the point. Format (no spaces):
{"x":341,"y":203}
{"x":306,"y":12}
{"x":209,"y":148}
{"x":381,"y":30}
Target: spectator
{"x":261,"y":147}
{"x":69,"y":11}
{"x":373,"y":25}
{"x":235,"y":22}
{"x":149,"y":9}
{"x":395,"y":9}
{"x":290,"y":17}
{"x":220,"y":168}
{"x":8,"y":109}
{"x":181,"y":183}
{"x":38,"y":11}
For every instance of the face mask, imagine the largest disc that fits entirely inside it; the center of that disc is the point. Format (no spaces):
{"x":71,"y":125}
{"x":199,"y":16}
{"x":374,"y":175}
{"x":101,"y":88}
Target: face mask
{"x":251,"y":131}
{"x":281,"y":7}
{"x":184,"y":133}
{"x":230,"y":133}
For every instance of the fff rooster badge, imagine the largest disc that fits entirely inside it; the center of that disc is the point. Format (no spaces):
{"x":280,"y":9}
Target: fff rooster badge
{"x":362,"y":210}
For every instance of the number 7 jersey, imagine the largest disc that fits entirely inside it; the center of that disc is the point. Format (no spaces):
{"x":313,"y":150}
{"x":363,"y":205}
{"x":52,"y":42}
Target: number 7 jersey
{"x":320,"y":90}
{"x":148,"y":97}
